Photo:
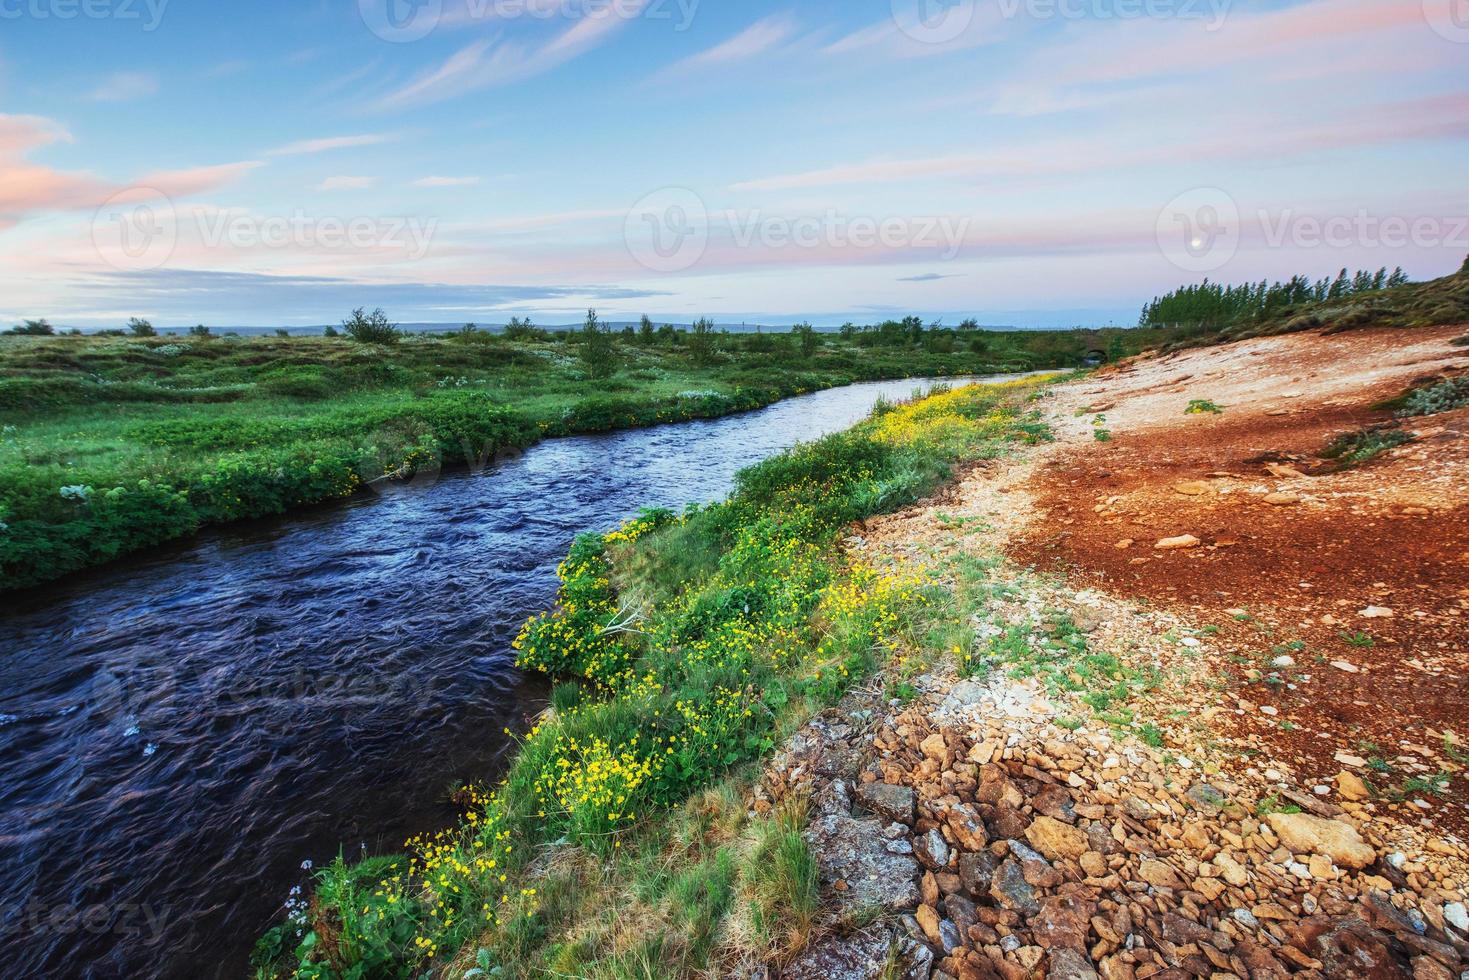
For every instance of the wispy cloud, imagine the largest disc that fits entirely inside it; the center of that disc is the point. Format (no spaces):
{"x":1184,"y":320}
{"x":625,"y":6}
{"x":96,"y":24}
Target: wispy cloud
{"x":125,"y":86}
{"x":325,"y":144}
{"x":446,"y":182}
{"x":487,"y":63}
{"x":755,"y":40}
{"x":931,"y":277}
{"x":347,"y":183}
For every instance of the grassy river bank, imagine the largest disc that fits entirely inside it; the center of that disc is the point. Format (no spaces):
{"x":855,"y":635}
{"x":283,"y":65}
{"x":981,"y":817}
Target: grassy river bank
{"x":685,"y":647}
{"x":109,"y":445}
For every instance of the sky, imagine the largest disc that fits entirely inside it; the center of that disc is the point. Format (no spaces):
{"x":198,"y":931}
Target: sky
{"x":1031,"y":162}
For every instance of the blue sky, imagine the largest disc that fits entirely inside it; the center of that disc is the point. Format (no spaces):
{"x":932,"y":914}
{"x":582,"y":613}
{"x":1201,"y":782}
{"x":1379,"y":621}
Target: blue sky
{"x":1024,"y":161}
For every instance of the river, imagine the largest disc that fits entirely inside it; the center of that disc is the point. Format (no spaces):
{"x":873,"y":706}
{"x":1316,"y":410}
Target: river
{"x":180,"y":732}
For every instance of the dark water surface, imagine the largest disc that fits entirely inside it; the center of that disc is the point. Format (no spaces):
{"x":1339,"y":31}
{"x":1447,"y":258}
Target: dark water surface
{"x":179,"y":733}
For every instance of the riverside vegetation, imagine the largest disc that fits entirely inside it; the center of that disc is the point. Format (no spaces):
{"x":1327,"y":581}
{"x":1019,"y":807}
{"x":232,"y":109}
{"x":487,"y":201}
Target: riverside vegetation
{"x":686,"y":647}
{"x":111,"y":444}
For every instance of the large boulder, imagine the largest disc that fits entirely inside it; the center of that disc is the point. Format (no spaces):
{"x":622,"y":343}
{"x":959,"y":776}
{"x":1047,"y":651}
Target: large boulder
{"x":1305,"y":834}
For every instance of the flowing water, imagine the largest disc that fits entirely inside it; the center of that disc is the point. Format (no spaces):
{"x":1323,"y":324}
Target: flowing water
{"x":179,"y":733}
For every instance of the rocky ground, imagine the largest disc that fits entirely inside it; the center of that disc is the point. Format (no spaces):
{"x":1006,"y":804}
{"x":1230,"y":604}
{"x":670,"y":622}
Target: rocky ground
{"x":1171,"y":751}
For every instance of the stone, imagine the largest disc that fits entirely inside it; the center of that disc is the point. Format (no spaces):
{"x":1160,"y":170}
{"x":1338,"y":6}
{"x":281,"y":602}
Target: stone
{"x":1191,"y":488}
{"x":1037,"y":870}
{"x":853,"y":851}
{"x":1457,"y":916}
{"x":1006,"y":822}
{"x":1348,"y":948}
{"x":1232,"y":870}
{"x":977,"y":871}
{"x":1180,"y":931}
{"x":1305,"y":834}
{"x":1158,"y":874}
{"x":1062,"y":921}
{"x":1282,"y":499}
{"x":928,"y":921}
{"x":1349,"y":786}
{"x":1070,"y":964}
{"x":1176,"y":543}
{"x":1011,"y":890}
{"x":1056,"y":840}
{"x":932,"y":849}
{"x":961,"y":912}
{"x":934,"y":747}
{"x":1093,"y":864}
{"x":896,"y":803}
{"x":850,"y":957}
{"x":1206,"y":796}
{"x":967,"y":827}
{"x":1377,"y":612}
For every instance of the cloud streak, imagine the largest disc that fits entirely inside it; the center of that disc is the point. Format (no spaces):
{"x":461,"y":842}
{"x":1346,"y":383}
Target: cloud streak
{"x":488,"y":63}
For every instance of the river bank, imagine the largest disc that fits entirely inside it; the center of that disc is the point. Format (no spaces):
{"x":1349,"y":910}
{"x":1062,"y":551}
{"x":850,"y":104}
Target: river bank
{"x":274,"y":691}
{"x":685,"y":648}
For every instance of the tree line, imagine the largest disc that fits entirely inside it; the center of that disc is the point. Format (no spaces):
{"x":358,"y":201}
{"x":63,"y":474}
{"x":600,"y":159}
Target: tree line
{"x":1213,"y":304}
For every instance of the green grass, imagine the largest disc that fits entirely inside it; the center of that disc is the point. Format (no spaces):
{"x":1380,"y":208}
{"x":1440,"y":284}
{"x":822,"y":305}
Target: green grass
{"x":157,"y":437}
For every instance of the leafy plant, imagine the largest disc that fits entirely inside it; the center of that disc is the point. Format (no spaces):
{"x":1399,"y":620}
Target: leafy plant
{"x":1201,"y":406}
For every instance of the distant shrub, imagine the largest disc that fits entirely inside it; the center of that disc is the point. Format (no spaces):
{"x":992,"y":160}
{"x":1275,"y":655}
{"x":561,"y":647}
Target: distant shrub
{"x":34,"y":328}
{"x":1442,"y":397}
{"x":370,"y":328}
{"x":199,"y":331}
{"x":598,"y":348}
{"x":141,"y":328}
{"x":518,"y":329}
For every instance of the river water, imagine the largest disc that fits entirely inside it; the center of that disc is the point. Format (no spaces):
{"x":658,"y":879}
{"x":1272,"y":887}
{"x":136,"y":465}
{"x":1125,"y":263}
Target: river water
{"x":180,"y":732}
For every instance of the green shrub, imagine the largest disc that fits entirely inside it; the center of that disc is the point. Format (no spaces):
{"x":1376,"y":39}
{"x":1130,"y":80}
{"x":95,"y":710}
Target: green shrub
{"x":370,"y":328}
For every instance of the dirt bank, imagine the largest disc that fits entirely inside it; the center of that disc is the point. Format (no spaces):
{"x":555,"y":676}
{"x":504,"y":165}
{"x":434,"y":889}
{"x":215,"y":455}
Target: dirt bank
{"x":1241,"y":756}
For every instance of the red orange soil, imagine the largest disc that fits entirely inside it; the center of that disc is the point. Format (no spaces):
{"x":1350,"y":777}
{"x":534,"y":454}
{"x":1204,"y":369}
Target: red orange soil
{"x":1292,"y":576}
